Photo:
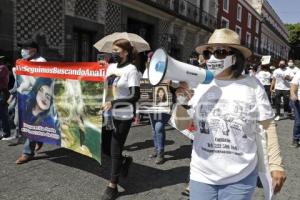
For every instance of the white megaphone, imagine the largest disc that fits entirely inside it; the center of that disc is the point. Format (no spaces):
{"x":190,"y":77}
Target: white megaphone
{"x":164,"y":67}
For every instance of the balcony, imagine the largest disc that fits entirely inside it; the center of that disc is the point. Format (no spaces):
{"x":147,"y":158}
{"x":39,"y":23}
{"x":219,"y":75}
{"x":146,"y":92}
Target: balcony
{"x":266,"y":51}
{"x":186,"y":11}
{"x":270,"y":26}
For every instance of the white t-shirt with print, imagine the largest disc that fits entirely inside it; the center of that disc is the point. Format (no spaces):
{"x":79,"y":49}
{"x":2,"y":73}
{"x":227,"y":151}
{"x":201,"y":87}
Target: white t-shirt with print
{"x":294,"y":70}
{"x":281,"y":83}
{"x":264,"y":77}
{"x":296,"y":81}
{"x":225,"y":114}
{"x":127,"y":76}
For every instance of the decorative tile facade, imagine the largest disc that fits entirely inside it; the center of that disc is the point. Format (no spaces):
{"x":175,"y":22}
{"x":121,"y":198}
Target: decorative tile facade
{"x":112,"y":18}
{"x":163,"y":32}
{"x":40,"y":17}
{"x":101,"y":12}
{"x":46,"y":19}
{"x":86,"y":9}
{"x":189,"y":44}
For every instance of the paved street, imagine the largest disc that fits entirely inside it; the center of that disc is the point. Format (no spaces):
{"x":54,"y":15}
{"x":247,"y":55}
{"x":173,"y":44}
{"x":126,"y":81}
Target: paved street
{"x":64,"y":175}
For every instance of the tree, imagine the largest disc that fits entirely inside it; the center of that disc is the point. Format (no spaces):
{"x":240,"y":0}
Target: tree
{"x":294,"y":33}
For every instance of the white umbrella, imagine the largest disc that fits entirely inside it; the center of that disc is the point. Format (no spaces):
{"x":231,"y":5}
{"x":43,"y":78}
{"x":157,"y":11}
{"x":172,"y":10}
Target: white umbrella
{"x":105,"y":44}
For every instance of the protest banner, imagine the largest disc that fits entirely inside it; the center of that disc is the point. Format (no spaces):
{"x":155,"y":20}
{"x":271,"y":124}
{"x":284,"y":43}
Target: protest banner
{"x":60,"y":103}
{"x":154,"y":99}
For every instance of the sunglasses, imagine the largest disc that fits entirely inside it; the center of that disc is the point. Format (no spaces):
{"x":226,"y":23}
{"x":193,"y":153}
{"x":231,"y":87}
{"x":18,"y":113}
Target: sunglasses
{"x":218,"y":53}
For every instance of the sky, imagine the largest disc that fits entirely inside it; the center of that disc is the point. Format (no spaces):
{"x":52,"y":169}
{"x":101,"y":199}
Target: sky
{"x":287,"y":10}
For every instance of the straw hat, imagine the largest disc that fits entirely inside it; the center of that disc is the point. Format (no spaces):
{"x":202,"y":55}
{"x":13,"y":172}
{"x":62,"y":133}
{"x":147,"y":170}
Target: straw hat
{"x":225,"y":37}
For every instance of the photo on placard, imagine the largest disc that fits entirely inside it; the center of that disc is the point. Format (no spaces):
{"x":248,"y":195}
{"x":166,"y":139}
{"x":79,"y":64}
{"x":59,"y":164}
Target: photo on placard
{"x":161,"y":96}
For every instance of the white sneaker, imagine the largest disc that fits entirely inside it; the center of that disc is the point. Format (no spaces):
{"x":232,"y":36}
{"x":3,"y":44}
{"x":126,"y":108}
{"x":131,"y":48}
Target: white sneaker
{"x":277,"y":118}
{"x":9,"y":138}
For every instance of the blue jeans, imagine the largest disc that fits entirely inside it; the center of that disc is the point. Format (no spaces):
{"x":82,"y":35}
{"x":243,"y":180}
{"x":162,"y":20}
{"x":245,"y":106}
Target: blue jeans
{"x":241,"y":190}
{"x":29,"y":147}
{"x":158,"y":122}
{"x":296,"y":107}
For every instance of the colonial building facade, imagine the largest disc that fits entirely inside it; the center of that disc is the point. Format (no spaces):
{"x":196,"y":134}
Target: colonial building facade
{"x":64,"y":29}
{"x":67,"y":29}
{"x":241,"y":17}
{"x":258,"y":25}
{"x":274,"y":35}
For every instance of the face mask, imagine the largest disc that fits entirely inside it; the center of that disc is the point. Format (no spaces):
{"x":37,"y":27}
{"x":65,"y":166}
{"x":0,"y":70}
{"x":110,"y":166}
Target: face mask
{"x":182,"y":100}
{"x":290,"y":64}
{"x":282,"y":66}
{"x":25,"y":54}
{"x":219,"y":65}
{"x":115,"y":57}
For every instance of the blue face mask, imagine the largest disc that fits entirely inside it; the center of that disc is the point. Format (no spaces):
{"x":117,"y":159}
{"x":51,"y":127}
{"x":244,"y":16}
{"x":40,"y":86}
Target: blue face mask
{"x":25,"y":53}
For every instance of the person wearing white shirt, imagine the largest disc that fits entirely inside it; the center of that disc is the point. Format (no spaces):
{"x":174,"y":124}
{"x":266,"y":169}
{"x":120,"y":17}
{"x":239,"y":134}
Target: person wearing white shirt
{"x":29,"y":52}
{"x":224,"y":165}
{"x":125,"y":79}
{"x":292,"y":67}
{"x":295,"y":96}
{"x":264,"y":77}
{"x":280,"y":86}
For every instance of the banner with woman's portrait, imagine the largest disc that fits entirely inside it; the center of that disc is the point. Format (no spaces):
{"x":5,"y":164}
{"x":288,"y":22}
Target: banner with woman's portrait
{"x":60,"y":103}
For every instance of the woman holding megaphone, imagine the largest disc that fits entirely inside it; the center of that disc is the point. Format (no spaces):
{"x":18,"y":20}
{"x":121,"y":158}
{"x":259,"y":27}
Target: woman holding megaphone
{"x":226,"y":164}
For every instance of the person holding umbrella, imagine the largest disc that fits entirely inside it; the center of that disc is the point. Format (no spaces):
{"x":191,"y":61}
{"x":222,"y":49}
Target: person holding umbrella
{"x":125,"y":79}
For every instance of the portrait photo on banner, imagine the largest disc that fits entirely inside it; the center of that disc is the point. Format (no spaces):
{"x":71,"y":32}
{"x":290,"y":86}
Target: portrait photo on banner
{"x":37,"y":113}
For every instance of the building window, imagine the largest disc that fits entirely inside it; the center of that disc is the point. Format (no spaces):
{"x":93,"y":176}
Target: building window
{"x":224,"y":23}
{"x":249,"y":20}
{"x":248,"y":39}
{"x":238,"y":30}
{"x":257,"y":26}
{"x":226,"y":5}
{"x":82,"y":41}
{"x":256,"y":44}
{"x":239,"y":13}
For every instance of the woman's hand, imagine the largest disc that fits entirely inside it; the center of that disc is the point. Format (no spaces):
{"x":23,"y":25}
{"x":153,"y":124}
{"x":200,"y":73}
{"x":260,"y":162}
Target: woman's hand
{"x":106,"y":106}
{"x":272,"y":91}
{"x":278,"y":179}
{"x":183,"y":90}
{"x":102,"y":62}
